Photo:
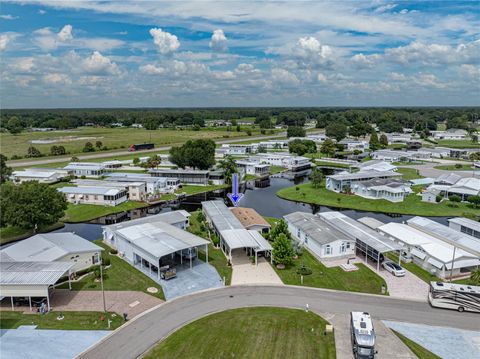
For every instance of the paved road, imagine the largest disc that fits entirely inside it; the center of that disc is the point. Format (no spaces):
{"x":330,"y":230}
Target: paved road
{"x":125,"y":152}
{"x":133,"y":339}
{"x":428,"y":170}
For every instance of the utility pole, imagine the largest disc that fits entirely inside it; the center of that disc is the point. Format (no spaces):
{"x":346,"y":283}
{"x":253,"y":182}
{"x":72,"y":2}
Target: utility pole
{"x":101,"y":284}
{"x":453,"y":262}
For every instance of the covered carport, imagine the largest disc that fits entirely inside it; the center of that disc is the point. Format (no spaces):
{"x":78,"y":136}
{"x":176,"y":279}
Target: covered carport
{"x":31,"y":279}
{"x":251,"y":241}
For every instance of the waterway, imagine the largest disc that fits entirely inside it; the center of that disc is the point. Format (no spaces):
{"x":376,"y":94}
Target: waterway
{"x":260,"y":195}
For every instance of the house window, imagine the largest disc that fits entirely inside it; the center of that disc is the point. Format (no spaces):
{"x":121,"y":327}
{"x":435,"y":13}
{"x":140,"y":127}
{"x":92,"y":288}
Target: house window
{"x":306,"y":239}
{"x":348,"y":245}
{"x":342,"y":247}
{"x":298,"y":233}
{"x":328,"y":249}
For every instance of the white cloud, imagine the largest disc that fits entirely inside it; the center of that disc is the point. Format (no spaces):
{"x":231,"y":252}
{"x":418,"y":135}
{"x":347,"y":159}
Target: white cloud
{"x":385,"y":8}
{"x":322,"y":78}
{"x":284,"y":77}
{"x":97,"y":64}
{"x":428,"y":80}
{"x":8,"y":17}
{"x":65,"y":33}
{"x":365,"y":61}
{"x":224,"y":75}
{"x":56,"y":78}
{"x":6,"y":39}
{"x":42,"y":12}
{"x":166,"y":42}
{"x":395,"y":76}
{"x":218,"y":41}
{"x":152,"y":70}
{"x":471,"y":71}
{"x":308,"y":52}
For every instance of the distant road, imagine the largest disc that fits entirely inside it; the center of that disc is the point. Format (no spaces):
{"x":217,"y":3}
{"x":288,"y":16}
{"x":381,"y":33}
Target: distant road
{"x":44,"y":161}
{"x":139,"y":335}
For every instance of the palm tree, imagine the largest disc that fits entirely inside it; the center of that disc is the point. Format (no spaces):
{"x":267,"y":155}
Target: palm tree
{"x":229,"y":165}
{"x":475,"y":277}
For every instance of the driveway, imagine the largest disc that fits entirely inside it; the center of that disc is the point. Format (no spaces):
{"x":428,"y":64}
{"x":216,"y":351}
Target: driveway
{"x":244,"y":272}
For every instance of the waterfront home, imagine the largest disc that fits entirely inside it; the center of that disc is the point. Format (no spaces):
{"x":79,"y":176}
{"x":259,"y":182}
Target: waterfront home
{"x":185,"y":176}
{"x":376,"y":165}
{"x":319,"y":237}
{"x":251,"y":219}
{"x":465,"y":225}
{"x":254,"y":168}
{"x":153,"y":185}
{"x":291,"y":162}
{"x":390,"y":189}
{"x":103,"y":196}
{"x":341,"y":181}
{"x":136,"y":190}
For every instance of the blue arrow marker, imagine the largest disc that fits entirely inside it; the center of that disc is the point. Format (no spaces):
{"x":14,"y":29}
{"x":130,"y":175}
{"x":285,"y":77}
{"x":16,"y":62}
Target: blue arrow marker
{"x":235,"y":196}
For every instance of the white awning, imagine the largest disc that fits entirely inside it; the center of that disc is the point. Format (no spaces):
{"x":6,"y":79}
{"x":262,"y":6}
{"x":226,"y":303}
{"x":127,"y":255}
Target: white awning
{"x":418,"y":253}
{"x":435,"y":263}
{"x":463,"y":263}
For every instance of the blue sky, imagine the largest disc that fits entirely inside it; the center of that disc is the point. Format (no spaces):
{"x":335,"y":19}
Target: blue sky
{"x":239,"y":53}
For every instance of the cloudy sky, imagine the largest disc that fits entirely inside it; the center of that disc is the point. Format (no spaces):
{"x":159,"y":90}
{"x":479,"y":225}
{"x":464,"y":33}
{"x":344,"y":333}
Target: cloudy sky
{"x":245,"y":53}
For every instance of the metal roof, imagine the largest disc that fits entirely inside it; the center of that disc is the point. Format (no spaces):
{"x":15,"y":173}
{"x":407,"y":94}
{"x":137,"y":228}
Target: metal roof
{"x":135,"y":177}
{"x":466,"y":222}
{"x":316,"y":229}
{"x":360,"y":232}
{"x":47,"y":247}
{"x":243,"y":238}
{"x":447,"y":234}
{"x":106,"y":191}
{"x":84,"y":166}
{"x":101,"y":183}
{"x":34,"y":174}
{"x":172,"y":217}
{"x":32,"y":273}
{"x":180,"y":171}
{"x":365,"y":175}
{"x":159,"y":238}
{"x":221,"y":217}
{"x":371,"y":222}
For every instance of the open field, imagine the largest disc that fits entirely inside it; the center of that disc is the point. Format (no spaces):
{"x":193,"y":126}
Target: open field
{"x":417,"y":349}
{"x":119,"y":276}
{"x":458,"y":144}
{"x":71,"y":321}
{"x":412,"y":205}
{"x":215,"y":256}
{"x":88,"y":212}
{"x":363,"y":280}
{"x":258,"y":332}
{"x":113,"y":138}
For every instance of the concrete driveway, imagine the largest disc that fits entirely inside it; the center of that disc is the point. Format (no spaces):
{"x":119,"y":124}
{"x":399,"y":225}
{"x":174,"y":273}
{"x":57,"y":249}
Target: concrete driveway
{"x":244,"y":272}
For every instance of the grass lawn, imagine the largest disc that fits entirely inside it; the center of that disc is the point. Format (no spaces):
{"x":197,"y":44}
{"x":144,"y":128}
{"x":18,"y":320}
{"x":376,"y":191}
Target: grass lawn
{"x":11,"y":234}
{"x":363,"y":280}
{"x":331,"y":164}
{"x":409,"y":173}
{"x":192,"y":189}
{"x":412,"y":205}
{"x":276,"y":169}
{"x":215,"y":256}
{"x":87,"y":212}
{"x":417,"y":349}
{"x":458,"y":144}
{"x":119,"y":276}
{"x":259,"y":332}
{"x":421,"y":273}
{"x":71,"y":321}
{"x":463,"y":167}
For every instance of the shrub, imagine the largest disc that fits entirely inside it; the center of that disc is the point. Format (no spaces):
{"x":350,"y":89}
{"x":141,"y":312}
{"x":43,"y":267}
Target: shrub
{"x":113,"y":252}
{"x":106,"y":260}
{"x":438,"y":199}
{"x":458,"y":165}
{"x":304,"y":270}
{"x":215,"y":240}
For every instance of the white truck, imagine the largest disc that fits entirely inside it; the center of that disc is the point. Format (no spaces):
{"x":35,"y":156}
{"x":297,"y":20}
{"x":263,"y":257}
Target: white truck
{"x":362,"y":335}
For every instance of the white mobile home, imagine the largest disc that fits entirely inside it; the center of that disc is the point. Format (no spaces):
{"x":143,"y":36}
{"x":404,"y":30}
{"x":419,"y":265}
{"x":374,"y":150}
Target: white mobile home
{"x":465,"y":225}
{"x":86,"y":169}
{"x":136,"y":190}
{"x":39,"y":176}
{"x":392,"y":190}
{"x":339,"y":182}
{"x":103,"y":196}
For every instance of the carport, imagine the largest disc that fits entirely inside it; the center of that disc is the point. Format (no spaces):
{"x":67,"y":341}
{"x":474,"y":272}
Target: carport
{"x":251,"y":241}
{"x":31,"y":279}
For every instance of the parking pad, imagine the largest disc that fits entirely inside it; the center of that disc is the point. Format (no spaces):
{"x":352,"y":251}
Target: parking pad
{"x":27,"y":342}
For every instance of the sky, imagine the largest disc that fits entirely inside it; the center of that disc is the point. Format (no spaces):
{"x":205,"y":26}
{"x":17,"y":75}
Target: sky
{"x":239,"y":53}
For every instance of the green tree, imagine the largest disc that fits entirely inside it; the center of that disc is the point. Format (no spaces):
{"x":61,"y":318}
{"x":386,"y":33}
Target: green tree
{"x":475,"y":156}
{"x":194,"y":153}
{"x":316,"y":177}
{"x":475,"y":277}
{"x":454,"y":198}
{"x":229,"y":166}
{"x":5,"y":171}
{"x":337,"y":131}
{"x":150,"y":124}
{"x":383,"y":140}
{"x":61,"y":150}
{"x":33,"y":152}
{"x":296,"y":131}
{"x":14,"y":125}
{"x":88,"y":147}
{"x":153,"y":162}
{"x":374,"y":143}
{"x":261,"y":149}
{"x":136,"y":161}
{"x":98,"y":144}
{"x":74,"y":159}
{"x":283,"y":250}
{"x":358,"y":129}
{"x":300,"y":147}
{"x":31,"y":204}
{"x":328,"y":147}
{"x":475,"y":200}
{"x":280,"y":227}
{"x":54,"y":150}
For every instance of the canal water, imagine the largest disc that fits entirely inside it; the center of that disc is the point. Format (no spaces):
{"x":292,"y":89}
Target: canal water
{"x":260,"y":195}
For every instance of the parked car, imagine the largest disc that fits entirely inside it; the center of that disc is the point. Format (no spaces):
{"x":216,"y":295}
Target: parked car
{"x":394,"y":268}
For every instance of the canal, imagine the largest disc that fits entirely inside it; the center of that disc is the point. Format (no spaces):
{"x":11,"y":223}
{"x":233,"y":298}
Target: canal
{"x":260,"y":195}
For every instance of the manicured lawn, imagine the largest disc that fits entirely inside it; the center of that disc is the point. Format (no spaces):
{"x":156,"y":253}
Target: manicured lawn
{"x":271,"y":220}
{"x":458,"y":144}
{"x":463,"y":167}
{"x":192,"y":189}
{"x":71,"y":321}
{"x":11,"y":234}
{"x":412,"y":205}
{"x":87,"y":212}
{"x":119,"y":276}
{"x":215,"y":256}
{"x":421,"y":273}
{"x":332,"y":164}
{"x":363,"y":280}
{"x":409,"y":173}
{"x":262,"y":332}
{"x":417,"y":349}
{"x":276,"y":169}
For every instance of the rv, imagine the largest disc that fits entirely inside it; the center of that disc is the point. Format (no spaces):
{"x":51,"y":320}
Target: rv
{"x":454,"y":296}
{"x":362,"y":335}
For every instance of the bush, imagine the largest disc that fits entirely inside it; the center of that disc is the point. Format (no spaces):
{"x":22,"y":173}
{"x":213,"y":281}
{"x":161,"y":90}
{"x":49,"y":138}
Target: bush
{"x":83,"y":177}
{"x":438,"y":199}
{"x":458,"y":165}
{"x":106,"y":261}
{"x":113,"y":252}
{"x":304,"y":270}
{"x":215,"y":240}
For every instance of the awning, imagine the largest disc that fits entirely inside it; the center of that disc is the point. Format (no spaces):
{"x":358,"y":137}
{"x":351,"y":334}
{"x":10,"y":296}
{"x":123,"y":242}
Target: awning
{"x":463,"y":263}
{"x":418,"y":253}
{"x":71,"y":195}
{"x":435,"y":263}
